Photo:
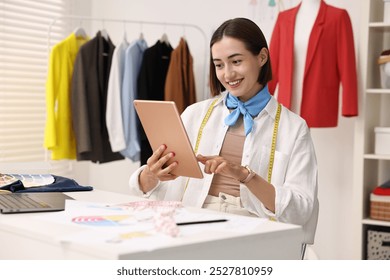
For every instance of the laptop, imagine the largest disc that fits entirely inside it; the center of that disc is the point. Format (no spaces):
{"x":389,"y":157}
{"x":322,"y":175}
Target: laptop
{"x":163,"y":125}
{"x":11,"y":203}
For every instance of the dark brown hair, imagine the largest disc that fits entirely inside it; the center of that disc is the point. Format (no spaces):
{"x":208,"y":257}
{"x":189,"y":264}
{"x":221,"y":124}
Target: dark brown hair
{"x":253,"y":38}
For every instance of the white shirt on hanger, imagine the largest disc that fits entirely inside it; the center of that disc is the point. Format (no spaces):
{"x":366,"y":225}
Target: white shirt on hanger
{"x":114,"y":119}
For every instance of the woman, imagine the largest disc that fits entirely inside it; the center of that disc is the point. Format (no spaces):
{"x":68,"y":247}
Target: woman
{"x":257,"y":156}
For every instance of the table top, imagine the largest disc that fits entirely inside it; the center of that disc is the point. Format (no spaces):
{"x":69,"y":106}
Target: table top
{"x":193,"y":242}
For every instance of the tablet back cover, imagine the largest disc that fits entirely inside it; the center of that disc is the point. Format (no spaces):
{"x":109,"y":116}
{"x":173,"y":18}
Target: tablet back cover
{"x":163,"y":125}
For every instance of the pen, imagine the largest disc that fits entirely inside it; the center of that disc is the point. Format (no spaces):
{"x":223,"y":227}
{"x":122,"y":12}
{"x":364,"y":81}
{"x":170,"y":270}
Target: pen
{"x":201,"y":222}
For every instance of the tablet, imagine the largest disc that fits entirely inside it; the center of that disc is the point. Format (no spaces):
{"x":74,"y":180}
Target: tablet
{"x":163,"y":125}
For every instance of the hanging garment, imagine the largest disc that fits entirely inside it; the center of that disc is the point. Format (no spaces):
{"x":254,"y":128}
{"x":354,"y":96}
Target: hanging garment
{"x":114,"y":119}
{"x":132,"y":61}
{"x":151,"y":84}
{"x":59,"y":136}
{"x":180,"y":81}
{"x":330,"y":61}
{"x":89,"y":97}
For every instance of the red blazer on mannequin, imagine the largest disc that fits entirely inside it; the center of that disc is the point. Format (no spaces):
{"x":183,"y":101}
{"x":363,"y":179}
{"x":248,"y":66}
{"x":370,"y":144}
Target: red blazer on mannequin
{"x":330,"y":60}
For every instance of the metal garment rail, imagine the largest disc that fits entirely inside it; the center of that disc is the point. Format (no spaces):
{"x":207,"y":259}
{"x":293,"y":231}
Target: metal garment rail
{"x":184,"y":25}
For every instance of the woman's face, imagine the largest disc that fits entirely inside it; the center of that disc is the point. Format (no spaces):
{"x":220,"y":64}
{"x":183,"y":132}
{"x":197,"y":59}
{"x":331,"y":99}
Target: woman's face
{"x":236,"y":68}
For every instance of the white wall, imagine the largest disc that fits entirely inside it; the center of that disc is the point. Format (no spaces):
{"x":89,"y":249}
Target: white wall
{"x":334,"y":146}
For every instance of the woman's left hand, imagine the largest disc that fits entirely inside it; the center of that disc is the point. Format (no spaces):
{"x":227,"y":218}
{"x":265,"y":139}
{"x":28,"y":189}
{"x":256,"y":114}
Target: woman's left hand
{"x":219,"y":165}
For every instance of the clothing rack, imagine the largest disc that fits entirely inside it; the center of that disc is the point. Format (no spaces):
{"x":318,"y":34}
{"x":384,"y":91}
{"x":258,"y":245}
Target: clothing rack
{"x":184,"y":25}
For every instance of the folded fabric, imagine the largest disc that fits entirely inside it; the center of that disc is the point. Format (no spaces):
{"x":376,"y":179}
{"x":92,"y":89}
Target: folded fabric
{"x":383,"y":189}
{"x":60,"y":184}
{"x":386,"y":185}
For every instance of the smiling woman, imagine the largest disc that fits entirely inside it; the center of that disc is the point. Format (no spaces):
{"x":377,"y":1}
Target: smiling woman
{"x":257,"y":156}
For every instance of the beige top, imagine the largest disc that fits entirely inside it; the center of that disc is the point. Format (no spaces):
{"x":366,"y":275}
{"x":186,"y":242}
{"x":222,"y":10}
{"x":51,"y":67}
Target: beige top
{"x":231,"y":150}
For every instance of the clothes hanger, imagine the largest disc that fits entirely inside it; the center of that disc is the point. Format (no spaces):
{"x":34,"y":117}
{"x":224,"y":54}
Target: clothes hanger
{"x":164,"y":38}
{"x":141,"y":34}
{"x":184,"y":34}
{"x":80,"y":32}
{"x":124,"y":32}
{"x":104,"y":32}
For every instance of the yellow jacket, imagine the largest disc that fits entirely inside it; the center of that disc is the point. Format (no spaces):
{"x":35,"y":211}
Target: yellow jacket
{"x":59,"y":136}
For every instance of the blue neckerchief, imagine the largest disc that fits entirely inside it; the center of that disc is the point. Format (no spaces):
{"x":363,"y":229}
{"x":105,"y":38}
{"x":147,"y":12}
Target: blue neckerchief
{"x":248,"y":109}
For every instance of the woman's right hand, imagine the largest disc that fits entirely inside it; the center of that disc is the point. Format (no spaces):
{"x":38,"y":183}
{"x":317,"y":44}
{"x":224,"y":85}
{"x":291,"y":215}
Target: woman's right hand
{"x":156,"y":170}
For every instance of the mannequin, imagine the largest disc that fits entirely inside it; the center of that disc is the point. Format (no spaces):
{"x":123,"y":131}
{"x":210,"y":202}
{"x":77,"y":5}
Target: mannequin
{"x":309,"y":41}
{"x":304,"y":22}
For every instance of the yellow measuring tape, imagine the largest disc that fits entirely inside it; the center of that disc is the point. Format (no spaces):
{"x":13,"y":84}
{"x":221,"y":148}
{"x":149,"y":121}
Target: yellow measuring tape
{"x":273,"y":148}
{"x":273,"y":144}
{"x":202,"y":125}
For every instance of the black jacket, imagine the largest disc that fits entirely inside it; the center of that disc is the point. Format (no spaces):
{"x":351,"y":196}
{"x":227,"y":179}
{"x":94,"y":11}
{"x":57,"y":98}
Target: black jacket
{"x":151,"y":84}
{"x":89,"y":98}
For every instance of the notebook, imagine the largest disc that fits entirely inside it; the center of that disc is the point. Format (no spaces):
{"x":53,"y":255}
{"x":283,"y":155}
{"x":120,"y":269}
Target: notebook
{"x":163,"y":125}
{"x":11,"y":203}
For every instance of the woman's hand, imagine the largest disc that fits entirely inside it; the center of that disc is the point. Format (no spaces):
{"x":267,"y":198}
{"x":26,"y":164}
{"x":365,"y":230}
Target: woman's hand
{"x":156,"y":164}
{"x":156,"y":169}
{"x":219,"y":165}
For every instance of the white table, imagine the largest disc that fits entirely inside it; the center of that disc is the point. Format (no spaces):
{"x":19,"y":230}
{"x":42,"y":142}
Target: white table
{"x":23,"y":236}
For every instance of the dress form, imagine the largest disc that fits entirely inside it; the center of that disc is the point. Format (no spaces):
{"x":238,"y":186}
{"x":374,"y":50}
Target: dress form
{"x":304,"y":22}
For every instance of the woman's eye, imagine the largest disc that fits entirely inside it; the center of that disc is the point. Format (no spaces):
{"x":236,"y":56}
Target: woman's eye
{"x":235,"y":62}
{"x":218,"y":66}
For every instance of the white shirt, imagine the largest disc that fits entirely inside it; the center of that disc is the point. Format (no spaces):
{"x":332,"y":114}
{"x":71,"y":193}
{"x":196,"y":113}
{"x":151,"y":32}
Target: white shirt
{"x":114,"y":121}
{"x":294,"y":174}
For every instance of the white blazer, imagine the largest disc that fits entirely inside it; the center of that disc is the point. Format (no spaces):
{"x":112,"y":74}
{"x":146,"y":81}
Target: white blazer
{"x":294,"y":174}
